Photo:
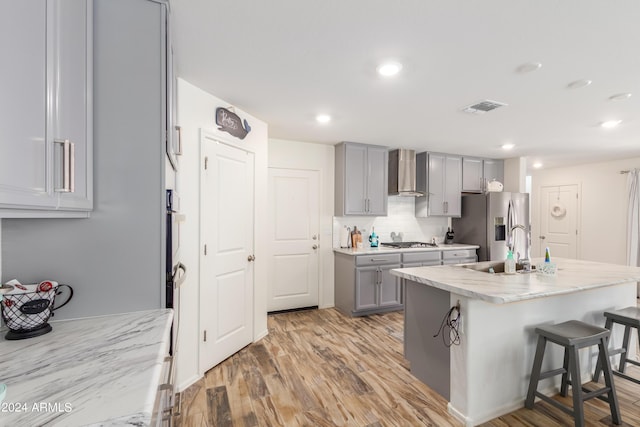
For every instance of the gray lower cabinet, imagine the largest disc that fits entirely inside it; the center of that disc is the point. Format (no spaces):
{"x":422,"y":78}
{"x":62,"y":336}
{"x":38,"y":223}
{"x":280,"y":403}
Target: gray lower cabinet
{"x":364,"y":284}
{"x":421,"y":259}
{"x":460,"y":256}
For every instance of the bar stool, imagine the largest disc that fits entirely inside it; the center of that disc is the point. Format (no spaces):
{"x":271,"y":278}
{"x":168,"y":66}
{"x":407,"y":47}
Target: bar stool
{"x":630,"y":318}
{"x":573,"y":335}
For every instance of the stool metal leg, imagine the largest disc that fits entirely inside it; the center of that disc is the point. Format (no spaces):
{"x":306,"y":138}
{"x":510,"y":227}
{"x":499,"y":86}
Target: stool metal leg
{"x":535,"y":372}
{"x":625,"y":347}
{"x":564,"y":385}
{"x":596,"y":376}
{"x":576,"y":387}
{"x":603,"y":358}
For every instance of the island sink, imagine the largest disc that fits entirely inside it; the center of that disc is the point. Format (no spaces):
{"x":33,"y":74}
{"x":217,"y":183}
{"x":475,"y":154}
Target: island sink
{"x":498,"y":267}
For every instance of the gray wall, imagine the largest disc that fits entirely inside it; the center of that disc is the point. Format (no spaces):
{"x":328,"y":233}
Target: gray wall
{"x":114,"y":260}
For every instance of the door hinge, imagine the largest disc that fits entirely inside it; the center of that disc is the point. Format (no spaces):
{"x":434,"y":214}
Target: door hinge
{"x":205,"y":249}
{"x":205,"y":336}
{"x":206,"y":163}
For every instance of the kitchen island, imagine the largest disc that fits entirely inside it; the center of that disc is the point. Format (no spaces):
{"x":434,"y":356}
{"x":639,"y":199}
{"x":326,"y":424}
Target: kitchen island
{"x":99,"y":370}
{"x":486,"y":375}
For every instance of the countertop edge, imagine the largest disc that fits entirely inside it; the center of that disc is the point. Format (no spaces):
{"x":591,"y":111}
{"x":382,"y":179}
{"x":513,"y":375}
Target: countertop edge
{"x":387,"y":250}
{"x":546,"y":285}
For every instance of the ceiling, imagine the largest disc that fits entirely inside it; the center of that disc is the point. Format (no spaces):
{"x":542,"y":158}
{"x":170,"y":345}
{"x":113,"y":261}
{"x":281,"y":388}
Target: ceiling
{"x":285,"y":61}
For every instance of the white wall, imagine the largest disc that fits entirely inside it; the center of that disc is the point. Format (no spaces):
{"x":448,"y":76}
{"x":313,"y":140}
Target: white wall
{"x":196,"y":110}
{"x":400,"y":219}
{"x":319,"y":157}
{"x":515,"y":174}
{"x":603,"y":206}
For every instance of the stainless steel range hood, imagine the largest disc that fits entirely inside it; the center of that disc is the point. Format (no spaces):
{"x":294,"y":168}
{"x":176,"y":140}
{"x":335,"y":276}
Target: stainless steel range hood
{"x":402,"y":173}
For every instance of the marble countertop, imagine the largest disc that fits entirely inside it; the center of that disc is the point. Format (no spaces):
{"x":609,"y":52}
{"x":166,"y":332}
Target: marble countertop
{"x":387,"y":250}
{"x":572,"y":276}
{"x":93,"y":371}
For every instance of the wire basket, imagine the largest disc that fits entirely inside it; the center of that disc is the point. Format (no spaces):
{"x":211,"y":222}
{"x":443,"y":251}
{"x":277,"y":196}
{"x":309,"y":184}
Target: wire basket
{"x":28,"y":307}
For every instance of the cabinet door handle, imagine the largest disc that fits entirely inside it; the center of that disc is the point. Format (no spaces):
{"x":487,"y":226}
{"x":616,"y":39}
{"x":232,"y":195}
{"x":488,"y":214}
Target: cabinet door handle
{"x":179,"y":148}
{"x":68,"y":166}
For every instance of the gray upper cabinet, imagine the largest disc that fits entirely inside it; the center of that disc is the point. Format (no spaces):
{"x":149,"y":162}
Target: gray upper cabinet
{"x":472,"y":175}
{"x":493,"y":169}
{"x":443,"y":184}
{"x":361,"y":179}
{"x":476,"y":173}
{"x":46,"y":134}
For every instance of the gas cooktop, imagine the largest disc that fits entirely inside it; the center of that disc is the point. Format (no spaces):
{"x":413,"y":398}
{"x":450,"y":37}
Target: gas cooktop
{"x":403,"y":245}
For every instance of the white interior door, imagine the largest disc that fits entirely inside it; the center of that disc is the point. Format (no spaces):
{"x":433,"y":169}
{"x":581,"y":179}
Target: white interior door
{"x":294,"y":212}
{"x":559,"y":220}
{"x":226,"y":257}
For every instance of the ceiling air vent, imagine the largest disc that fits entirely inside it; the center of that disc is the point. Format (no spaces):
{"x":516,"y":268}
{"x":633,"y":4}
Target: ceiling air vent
{"x":483,"y":106}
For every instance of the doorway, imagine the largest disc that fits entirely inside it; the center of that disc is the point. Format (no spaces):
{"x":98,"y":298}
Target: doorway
{"x":294,"y":239}
{"x":559,"y":214}
{"x":226,"y":250}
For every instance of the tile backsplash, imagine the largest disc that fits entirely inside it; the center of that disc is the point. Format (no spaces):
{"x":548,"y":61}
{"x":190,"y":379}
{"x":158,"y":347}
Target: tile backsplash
{"x":400,"y":219}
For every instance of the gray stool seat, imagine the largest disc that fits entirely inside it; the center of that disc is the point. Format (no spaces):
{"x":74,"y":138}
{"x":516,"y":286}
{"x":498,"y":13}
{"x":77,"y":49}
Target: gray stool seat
{"x":630,"y":318}
{"x":573,"y":335}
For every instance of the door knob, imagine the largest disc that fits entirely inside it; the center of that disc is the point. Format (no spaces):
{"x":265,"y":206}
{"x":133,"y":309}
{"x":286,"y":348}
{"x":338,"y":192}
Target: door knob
{"x":251,"y":258}
{"x":314,"y":247}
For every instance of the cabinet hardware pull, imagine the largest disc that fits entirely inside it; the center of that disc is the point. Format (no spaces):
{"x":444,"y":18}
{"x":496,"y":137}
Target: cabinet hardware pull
{"x":377,"y":259}
{"x":179,"y":148}
{"x":314,"y":247}
{"x":68,"y":166}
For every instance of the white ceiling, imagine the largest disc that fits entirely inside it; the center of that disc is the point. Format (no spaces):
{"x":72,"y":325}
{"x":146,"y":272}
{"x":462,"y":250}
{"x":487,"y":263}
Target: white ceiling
{"x":285,"y":61}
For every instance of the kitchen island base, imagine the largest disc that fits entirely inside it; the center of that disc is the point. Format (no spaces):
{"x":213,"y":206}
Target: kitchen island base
{"x":489,"y":371}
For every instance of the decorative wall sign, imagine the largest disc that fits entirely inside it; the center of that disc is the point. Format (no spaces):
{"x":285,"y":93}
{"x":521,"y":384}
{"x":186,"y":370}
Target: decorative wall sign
{"x":231,"y":123}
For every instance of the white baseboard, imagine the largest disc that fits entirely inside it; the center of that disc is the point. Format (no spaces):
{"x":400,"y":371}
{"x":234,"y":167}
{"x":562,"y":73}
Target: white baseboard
{"x":503,"y":410}
{"x":261,"y":335}
{"x":187,"y":383}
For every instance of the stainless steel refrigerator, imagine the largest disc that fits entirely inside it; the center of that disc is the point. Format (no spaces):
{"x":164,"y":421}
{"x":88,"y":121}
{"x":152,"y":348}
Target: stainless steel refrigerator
{"x":487,"y":219}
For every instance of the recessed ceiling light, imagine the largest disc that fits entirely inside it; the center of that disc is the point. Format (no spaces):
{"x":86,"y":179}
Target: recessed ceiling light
{"x":508,"y":146}
{"x":578,"y":84}
{"x":323,"y":118}
{"x":610,"y":124}
{"x":529,"y":67}
{"x":537,"y":165}
{"x":620,"y":96}
{"x":389,"y":69}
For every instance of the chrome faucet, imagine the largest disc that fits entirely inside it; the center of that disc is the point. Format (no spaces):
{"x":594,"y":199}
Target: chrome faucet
{"x":526,"y":261}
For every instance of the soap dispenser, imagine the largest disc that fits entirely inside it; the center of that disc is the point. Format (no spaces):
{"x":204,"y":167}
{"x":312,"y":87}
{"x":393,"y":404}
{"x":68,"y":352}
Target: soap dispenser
{"x":373,"y":238}
{"x":510,"y":264}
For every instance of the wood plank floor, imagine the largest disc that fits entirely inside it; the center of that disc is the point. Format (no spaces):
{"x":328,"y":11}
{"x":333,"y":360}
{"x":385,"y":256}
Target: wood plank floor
{"x":320,"y":368}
